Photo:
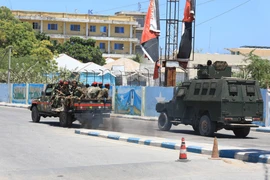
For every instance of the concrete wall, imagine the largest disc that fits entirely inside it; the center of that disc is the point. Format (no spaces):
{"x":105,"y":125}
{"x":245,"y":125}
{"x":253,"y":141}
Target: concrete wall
{"x":131,"y":100}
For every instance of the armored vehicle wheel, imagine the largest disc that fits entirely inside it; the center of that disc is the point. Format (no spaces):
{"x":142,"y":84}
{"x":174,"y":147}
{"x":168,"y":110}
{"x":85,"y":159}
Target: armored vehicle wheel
{"x":35,"y":114}
{"x":206,"y":127}
{"x":163,"y":122}
{"x":241,"y":132}
{"x":65,"y":119}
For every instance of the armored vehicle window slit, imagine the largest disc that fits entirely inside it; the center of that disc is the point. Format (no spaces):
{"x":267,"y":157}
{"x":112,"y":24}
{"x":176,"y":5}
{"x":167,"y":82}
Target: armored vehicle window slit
{"x":250,"y":90}
{"x":197,"y":89}
{"x":213,"y":88}
{"x":205,"y":88}
{"x":233,"y":90}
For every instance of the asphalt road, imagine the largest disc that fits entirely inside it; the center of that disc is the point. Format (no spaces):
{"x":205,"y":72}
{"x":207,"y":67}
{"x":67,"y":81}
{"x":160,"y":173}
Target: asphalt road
{"x":46,"y":151}
{"x":255,"y":140}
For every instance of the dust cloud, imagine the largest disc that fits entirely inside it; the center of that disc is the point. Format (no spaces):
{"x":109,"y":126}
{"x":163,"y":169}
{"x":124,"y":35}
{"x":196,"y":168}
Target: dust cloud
{"x":132,"y":126}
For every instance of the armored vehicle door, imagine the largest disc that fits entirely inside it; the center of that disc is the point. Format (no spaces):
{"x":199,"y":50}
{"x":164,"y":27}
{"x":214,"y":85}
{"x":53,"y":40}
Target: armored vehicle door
{"x":179,"y":102}
{"x":242,"y":99}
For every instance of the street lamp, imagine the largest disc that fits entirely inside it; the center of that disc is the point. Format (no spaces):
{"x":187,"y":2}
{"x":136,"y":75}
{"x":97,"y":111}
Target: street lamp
{"x":148,"y":76}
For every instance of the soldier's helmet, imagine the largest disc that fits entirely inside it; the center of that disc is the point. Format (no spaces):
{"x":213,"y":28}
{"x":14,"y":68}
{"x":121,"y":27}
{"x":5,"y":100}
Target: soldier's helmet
{"x":66,"y":82}
{"x":107,"y":85}
{"x":61,"y":82}
{"x":100,"y":84}
{"x":94,"y":84}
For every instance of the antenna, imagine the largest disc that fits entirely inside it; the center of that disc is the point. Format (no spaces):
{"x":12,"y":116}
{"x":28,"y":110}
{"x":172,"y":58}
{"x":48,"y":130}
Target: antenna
{"x":139,"y":6}
{"x":210,"y":34}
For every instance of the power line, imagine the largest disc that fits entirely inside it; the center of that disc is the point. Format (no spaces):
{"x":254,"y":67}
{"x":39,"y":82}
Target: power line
{"x":224,"y":12}
{"x":122,"y":6}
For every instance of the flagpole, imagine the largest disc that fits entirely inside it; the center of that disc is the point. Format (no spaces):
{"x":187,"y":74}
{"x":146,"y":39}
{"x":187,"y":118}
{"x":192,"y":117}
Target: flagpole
{"x":160,"y":66}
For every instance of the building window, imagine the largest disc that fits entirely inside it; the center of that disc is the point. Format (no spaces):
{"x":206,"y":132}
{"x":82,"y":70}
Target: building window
{"x":92,"y":29}
{"x":119,"y":29}
{"x":74,"y":27}
{"x":103,"y":29}
{"x":101,"y":45}
{"x":118,"y":46}
{"x":52,"y":27}
{"x":35,"y":25}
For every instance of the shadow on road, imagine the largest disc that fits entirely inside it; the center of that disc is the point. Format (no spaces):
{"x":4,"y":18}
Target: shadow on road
{"x":218,"y":135}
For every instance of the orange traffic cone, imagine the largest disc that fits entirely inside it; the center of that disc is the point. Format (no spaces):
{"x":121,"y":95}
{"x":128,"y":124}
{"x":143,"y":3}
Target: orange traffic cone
{"x":183,"y":151}
{"x":215,"y":153}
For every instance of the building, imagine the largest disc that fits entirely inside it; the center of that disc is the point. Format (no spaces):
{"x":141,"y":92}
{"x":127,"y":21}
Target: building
{"x":115,"y":35}
{"x":262,"y":51}
{"x":140,"y":18}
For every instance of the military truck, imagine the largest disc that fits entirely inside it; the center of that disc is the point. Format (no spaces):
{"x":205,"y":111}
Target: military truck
{"x":213,"y":101}
{"x":89,"y":112}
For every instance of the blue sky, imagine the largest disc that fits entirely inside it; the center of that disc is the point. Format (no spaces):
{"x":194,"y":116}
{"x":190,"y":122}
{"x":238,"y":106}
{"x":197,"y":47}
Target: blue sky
{"x":246,"y":25}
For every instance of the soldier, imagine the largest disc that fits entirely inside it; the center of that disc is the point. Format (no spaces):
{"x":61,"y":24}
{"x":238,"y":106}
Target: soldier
{"x":76,"y":91}
{"x":104,"y":93}
{"x":56,"y":93}
{"x":94,"y":90}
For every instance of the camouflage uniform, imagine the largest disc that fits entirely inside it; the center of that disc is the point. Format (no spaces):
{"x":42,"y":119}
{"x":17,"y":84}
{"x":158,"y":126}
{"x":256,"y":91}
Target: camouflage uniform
{"x":76,"y":92}
{"x":56,"y":94}
{"x":104,"y":93}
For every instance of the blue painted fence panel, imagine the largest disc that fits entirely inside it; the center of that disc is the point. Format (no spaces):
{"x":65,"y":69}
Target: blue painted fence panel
{"x":19,"y":93}
{"x":3,"y":92}
{"x":153,"y":95}
{"x":128,"y":100}
{"x":34,"y":91}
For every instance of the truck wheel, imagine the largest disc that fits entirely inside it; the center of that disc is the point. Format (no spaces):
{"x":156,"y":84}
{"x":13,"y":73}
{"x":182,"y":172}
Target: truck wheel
{"x":163,"y":122}
{"x":65,"y":119}
{"x":206,"y":127}
{"x":241,"y":132}
{"x":35,"y":114}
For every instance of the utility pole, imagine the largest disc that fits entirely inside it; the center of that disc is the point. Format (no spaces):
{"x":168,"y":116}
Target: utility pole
{"x":160,"y":66}
{"x":9,"y":68}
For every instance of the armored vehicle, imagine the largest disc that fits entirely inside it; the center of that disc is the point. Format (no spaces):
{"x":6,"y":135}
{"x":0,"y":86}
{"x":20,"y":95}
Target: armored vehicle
{"x":213,"y":101}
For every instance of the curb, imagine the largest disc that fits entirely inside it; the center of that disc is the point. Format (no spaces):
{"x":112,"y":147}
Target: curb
{"x":247,"y":155}
{"x":16,"y":106}
{"x":265,"y":130}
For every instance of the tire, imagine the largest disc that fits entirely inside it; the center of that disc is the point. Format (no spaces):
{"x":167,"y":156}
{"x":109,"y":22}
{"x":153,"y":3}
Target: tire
{"x":65,"y":119}
{"x":163,"y":122}
{"x":206,"y":126}
{"x":35,"y":114}
{"x":241,"y":132}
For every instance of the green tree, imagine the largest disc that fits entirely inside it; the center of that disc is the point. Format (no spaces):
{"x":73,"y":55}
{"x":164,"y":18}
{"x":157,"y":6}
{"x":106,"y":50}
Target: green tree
{"x":83,"y":50}
{"x":137,"y":58}
{"x":257,"y":68}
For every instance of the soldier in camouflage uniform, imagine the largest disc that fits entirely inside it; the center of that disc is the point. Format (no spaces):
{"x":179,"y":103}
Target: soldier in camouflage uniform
{"x":94,"y":90}
{"x":104,"y":93}
{"x":56,"y":93}
{"x":76,"y":92}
